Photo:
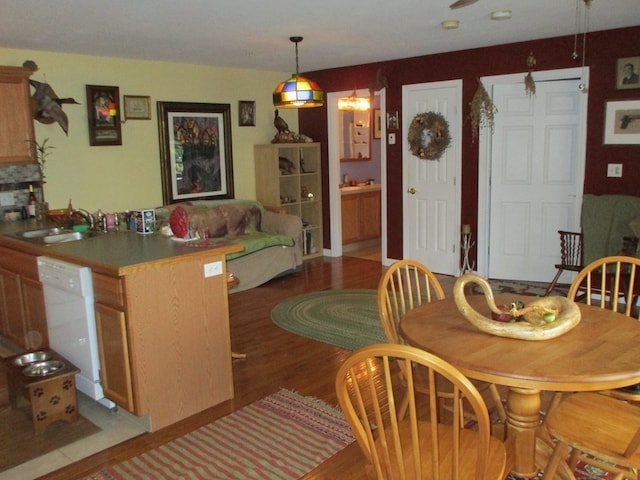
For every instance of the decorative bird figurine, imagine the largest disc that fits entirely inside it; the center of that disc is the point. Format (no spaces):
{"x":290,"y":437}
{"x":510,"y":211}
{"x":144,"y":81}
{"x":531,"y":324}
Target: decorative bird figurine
{"x":280,"y":124}
{"x":46,"y":106}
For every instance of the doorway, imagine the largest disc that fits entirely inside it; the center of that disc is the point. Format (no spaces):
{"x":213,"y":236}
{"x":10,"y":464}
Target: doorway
{"x":531,"y":174}
{"x":335,"y":177}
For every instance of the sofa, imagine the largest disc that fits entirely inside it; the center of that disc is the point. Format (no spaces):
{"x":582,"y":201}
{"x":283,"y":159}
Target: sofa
{"x":608,"y":222}
{"x":272,"y":241}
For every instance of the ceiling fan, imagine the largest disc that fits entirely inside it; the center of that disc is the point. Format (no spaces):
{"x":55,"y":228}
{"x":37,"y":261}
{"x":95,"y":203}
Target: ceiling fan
{"x":462,"y":3}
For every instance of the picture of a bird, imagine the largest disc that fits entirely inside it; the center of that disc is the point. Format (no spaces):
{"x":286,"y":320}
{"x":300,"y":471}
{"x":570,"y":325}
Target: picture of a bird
{"x":46,"y":106}
{"x":280,"y":124}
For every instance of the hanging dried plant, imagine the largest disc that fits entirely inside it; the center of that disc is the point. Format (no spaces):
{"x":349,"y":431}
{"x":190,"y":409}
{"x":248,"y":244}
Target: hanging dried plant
{"x":482,"y":111}
{"x":529,"y":82}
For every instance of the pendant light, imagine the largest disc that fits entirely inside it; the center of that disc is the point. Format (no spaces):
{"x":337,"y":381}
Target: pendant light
{"x":298,"y":92}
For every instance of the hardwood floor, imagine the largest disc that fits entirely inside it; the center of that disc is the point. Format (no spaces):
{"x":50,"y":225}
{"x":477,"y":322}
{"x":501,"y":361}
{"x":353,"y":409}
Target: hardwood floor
{"x":275,"y":359}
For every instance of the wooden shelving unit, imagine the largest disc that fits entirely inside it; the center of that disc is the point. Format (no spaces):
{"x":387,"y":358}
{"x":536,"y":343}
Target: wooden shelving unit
{"x":288,"y":178}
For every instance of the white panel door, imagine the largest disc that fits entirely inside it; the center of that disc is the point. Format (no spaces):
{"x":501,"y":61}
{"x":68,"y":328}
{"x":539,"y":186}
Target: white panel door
{"x":431,"y":189}
{"x":534,"y":192}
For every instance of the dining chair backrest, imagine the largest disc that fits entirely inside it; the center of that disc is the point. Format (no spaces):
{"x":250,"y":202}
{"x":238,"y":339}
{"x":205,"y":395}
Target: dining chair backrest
{"x":609,"y":282}
{"x":421,"y":444}
{"x":405,"y":285}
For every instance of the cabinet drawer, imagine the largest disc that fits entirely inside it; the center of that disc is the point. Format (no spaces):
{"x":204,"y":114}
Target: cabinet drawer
{"x":108,"y":290}
{"x":23,"y":263}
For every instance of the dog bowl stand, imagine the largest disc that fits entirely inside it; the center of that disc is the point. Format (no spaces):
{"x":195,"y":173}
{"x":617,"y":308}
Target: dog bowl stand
{"x":52,"y":397}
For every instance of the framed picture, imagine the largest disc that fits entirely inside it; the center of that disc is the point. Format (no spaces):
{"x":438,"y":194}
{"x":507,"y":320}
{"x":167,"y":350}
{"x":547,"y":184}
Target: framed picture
{"x":628,"y":73}
{"x":246,"y":113}
{"x":137,"y":107}
{"x":392,"y":120}
{"x":195,"y":151}
{"x":377,"y":128}
{"x":622,"y":123}
{"x":103,"y":114}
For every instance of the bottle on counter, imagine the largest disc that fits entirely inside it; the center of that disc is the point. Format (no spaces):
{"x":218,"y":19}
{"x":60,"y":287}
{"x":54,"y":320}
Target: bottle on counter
{"x":31,"y":204}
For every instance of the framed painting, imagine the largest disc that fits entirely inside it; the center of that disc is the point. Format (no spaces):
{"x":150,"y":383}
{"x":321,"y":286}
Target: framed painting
{"x":137,"y":107}
{"x":195,"y":151}
{"x":622,"y":123}
{"x":103,"y":114}
{"x":246,"y":113}
{"x":376,"y":123}
{"x":628,"y":73}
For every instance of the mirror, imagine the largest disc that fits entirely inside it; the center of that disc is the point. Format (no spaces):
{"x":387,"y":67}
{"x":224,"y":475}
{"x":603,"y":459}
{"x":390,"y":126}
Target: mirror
{"x":355,"y":134}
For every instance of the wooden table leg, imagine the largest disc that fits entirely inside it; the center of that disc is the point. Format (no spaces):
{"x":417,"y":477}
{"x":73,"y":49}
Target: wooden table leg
{"x":523,"y":418}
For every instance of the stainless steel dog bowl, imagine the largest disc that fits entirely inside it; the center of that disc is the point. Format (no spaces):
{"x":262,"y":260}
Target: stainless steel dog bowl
{"x":32,"y":357}
{"x":42,"y":369}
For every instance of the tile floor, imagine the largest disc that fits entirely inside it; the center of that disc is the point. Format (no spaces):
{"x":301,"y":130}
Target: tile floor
{"x":116,"y":427}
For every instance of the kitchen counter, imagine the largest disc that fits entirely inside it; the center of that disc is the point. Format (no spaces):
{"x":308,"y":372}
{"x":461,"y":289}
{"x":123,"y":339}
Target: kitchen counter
{"x":374,"y":187}
{"x":115,"y":253}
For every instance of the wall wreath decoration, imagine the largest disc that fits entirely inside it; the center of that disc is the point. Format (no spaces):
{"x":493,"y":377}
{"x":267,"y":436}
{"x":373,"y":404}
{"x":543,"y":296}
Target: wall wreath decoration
{"x":429,"y":135}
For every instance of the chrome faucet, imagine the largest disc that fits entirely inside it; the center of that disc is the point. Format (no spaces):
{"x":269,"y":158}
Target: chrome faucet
{"x":88,"y":217}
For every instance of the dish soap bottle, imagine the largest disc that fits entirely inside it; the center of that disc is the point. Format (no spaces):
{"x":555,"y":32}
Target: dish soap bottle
{"x":31,"y":206}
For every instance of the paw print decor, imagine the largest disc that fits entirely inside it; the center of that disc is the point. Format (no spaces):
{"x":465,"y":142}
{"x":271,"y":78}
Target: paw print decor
{"x":67,"y":384}
{"x":37,"y":392}
{"x":54,"y":400}
{"x":41,"y":416}
{"x":69,"y":409}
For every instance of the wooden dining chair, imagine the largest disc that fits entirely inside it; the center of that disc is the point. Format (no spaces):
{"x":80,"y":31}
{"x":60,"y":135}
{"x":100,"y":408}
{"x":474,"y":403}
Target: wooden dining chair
{"x":407,"y":284}
{"x":604,"y":428}
{"x":419,"y":445}
{"x":571,"y":256}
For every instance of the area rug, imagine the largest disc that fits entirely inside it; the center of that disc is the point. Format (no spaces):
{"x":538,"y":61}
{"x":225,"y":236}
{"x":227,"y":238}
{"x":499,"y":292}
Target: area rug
{"x":19,"y":443}
{"x":283,"y":436}
{"x":344,"y":318}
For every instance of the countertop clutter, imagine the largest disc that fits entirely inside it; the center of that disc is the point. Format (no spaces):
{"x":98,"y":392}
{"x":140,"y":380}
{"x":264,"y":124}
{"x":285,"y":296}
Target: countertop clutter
{"x":113,"y":252}
{"x":360,"y":188}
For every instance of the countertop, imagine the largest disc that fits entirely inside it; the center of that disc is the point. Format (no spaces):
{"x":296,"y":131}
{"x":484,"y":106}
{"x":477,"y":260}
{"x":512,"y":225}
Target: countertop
{"x":374,"y":187}
{"x":114,"y":253}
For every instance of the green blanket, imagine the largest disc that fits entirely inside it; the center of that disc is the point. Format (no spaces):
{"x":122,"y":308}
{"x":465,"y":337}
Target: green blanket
{"x":258,"y":241}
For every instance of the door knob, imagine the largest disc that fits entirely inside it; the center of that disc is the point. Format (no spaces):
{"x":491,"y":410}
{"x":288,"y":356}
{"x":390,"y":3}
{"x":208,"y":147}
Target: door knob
{"x":412,"y":191}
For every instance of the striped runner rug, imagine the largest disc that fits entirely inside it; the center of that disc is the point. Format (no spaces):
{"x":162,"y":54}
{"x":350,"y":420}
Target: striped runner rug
{"x":283,"y":436}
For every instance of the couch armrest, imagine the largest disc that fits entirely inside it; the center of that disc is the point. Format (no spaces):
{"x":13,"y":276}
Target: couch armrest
{"x":282,"y":223}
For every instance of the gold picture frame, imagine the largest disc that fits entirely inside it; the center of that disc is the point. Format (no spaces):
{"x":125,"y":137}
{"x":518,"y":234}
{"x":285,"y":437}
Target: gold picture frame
{"x":628,"y":73}
{"x":137,"y":107}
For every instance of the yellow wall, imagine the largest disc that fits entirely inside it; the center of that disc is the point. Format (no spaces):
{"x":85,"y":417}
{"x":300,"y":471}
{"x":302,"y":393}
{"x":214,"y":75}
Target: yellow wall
{"x":116,"y":178}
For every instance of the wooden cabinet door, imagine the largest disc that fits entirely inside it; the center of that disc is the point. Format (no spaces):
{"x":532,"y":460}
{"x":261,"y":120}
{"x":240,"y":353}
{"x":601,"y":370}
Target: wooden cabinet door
{"x":12,"y":307}
{"x":113,"y":345}
{"x":370,"y":211}
{"x":16,"y":123}
{"x":350,"y":219}
{"x":35,"y":314}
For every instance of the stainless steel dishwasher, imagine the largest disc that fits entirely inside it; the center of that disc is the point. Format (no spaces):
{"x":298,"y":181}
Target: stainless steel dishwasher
{"x":68,"y":299}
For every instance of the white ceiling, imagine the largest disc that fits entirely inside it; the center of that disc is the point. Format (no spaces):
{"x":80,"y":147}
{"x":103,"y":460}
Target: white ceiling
{"x":255,"y":33}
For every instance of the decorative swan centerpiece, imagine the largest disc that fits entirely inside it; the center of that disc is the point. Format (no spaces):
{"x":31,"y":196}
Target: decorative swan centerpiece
{"x":541,"y":319}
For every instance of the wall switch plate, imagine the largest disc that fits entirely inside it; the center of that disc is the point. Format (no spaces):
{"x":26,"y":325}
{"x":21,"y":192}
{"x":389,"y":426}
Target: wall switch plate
{"x":6,"y":199}
{"x":614,"y":170}
{"x":212,"y":269}
{"x":392,"y":139}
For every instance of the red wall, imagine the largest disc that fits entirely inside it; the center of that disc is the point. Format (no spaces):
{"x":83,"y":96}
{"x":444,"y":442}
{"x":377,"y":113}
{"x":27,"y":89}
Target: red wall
{"x":603,"y":49}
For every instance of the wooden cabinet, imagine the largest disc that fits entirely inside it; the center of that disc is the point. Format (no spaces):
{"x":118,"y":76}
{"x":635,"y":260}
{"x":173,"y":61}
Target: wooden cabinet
{"x":164,"y":338}
{"x":113,"y":341}
{"x":288,"y":177}
{"x":16,"y":122}
{"x":22,"y":312}
{"x":360,"y":216}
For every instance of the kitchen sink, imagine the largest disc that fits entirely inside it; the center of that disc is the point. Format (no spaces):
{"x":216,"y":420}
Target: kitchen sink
{"x":52,"y":235}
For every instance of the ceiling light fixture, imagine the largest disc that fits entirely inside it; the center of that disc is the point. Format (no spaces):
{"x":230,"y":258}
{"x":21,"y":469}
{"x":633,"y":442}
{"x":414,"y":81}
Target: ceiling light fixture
{"x":501,"y":15}
{"x":354,"y":102}
{"x":298,"y":92}
{"x":450,"y":24}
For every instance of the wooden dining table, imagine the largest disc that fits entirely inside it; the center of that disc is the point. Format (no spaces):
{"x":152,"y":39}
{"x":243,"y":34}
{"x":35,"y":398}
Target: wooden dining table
{"x":602,"y":352}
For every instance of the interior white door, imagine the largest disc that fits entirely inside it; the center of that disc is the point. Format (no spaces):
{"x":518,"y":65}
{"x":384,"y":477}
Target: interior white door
{"x":534,"y":182}
{"x":431,"y":200}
